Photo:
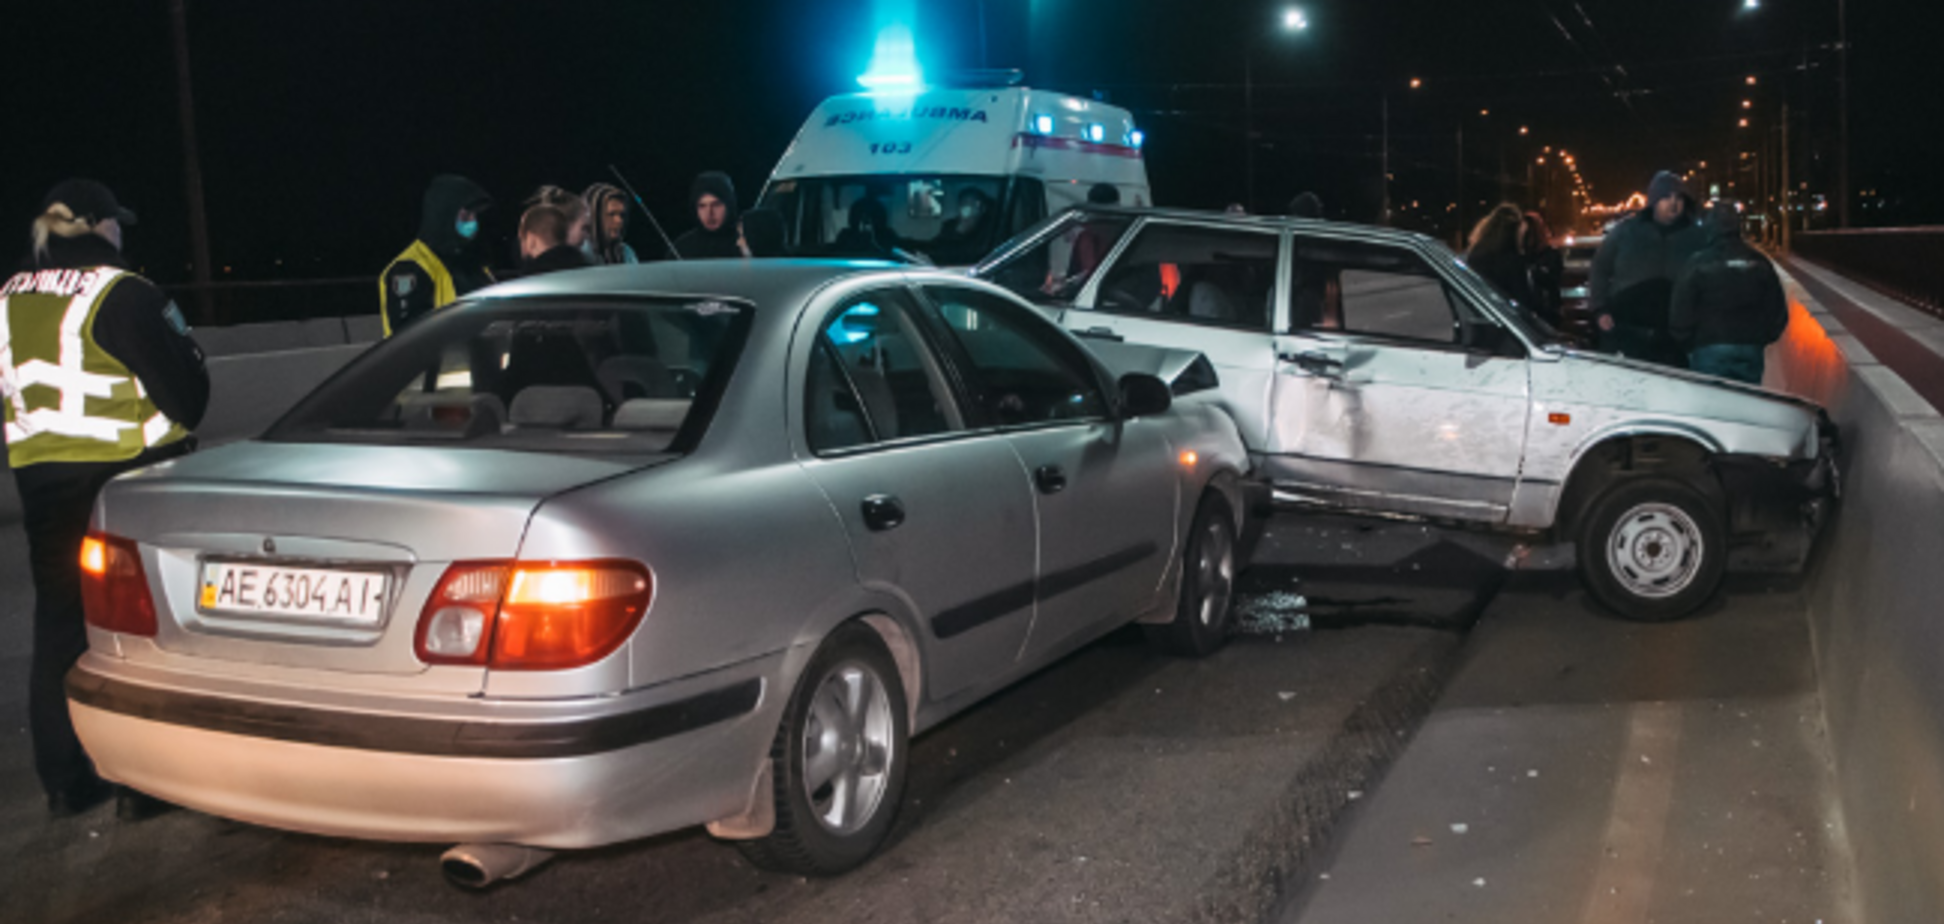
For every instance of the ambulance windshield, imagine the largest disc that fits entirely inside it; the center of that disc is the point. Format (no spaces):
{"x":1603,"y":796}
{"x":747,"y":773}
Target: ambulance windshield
{"x":948,"y":219}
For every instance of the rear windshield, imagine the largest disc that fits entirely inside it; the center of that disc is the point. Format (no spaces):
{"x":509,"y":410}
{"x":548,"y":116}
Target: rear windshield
{"x":638,"y":376}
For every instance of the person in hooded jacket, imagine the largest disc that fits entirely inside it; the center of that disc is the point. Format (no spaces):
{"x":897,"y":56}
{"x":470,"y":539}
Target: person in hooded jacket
{"x":98,"y":376}
{"x":762,"y":234}
{"x":1495,"y":253}
{"x":609,"y":244}
{"x":1728,"y":302}
{"x":713,"y":197}
{"x":1632,"y":281}
{"x":445,"y":261}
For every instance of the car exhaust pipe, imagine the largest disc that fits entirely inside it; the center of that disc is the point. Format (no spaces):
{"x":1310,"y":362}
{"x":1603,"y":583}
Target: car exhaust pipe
{"x":476,"y":866}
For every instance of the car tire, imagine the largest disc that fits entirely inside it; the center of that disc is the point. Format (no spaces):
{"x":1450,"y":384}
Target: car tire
{"x":838,"y":760}
{"x":1652,"y":549}
{"x":1208,"y":569}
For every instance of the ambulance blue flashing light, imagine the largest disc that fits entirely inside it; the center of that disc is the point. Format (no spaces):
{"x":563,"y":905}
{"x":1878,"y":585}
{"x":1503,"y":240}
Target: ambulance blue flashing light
{"x":1096,"y":134}
{"x":1136,"y":138}
{"x":894,"y":63}
{"x":1043,"y":124}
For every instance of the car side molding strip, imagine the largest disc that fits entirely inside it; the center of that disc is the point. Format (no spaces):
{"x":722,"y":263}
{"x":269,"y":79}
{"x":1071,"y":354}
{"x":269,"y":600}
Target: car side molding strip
{"x":412,"y":735}
{"x":980,"y":610}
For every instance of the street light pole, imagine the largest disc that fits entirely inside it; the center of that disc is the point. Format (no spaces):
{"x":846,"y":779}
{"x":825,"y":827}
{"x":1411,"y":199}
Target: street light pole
{"x":1248,"y":127}
{"x":1842,"y":117}
{"x":1384,"y":207}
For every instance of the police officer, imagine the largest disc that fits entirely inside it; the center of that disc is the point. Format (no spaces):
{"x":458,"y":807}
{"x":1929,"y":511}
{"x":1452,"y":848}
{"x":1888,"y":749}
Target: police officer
{"x":98,"y":375}
{"x":446,"y":260}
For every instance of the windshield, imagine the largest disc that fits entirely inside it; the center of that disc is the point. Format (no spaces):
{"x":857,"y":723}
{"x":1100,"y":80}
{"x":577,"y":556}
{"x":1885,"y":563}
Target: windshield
{"x":558,"y":375}
{"x":1536,"y":330}
{"x":1051,"y":266}
{"x":943,"y":219}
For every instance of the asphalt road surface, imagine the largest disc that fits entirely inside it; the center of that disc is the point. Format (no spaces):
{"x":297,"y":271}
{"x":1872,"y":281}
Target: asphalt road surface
{"x":1117,"y":785}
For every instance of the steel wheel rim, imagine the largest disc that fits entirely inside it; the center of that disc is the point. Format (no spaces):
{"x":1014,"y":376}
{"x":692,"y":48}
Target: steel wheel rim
{"x":1214,"y":572}
{"x":848,"y":746}
{"x":1655,"y":550}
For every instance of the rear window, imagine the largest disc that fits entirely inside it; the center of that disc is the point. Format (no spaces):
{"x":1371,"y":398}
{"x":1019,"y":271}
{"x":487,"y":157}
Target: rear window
{"x":629,"y":377}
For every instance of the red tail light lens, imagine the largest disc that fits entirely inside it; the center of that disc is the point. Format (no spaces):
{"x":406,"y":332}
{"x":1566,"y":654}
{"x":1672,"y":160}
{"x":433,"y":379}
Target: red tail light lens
{"x":566,"y":615}
{"x":532,"y":616}
{"x":114,"y":588}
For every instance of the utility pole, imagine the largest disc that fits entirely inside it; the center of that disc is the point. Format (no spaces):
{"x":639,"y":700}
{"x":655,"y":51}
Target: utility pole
{"x":1459,"y":196}
{"x":1787,"y":224}
{"x":192,"y":164}
{"x":1384,"y":208}
{"x":1842,"y":117}
{"x":1248,"y":127}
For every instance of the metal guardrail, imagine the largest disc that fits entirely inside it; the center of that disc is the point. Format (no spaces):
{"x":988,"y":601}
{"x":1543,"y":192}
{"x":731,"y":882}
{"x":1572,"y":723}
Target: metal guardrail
{"x":1904,"y":263}
{"x":222,"y":304}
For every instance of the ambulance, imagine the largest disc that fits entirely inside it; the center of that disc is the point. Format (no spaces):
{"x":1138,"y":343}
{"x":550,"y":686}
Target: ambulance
{"x":943,"y":175}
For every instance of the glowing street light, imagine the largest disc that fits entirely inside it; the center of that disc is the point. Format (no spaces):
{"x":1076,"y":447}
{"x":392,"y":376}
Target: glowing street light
{"x":1524,"y":130}
{"x":1417,"y":83}
{"x":1748,"y":104}
{"x":1294,"y":20}
{"x":1742,"y":124}
{"x":1751,"y":80}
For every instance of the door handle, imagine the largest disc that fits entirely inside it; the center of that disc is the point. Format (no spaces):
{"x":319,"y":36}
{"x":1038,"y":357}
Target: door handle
{"x":1315,"y":363}
{"x":882,"y":512}
{"x":1101,"y":333}
{"x":1049,"y":479}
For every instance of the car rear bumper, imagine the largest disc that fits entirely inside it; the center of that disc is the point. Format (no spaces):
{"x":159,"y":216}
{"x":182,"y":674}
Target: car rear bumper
{"x":678,"y":757}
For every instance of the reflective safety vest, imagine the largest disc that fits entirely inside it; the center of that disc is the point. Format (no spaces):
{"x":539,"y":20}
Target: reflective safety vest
{"x":66,"y":398}
{"x":443,"y":291}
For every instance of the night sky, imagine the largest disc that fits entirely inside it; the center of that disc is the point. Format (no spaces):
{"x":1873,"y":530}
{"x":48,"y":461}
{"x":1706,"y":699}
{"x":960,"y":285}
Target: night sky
{"x":320,"y":122}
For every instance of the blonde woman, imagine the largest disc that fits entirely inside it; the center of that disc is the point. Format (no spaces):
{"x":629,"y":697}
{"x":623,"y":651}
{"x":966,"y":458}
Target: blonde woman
{"x":98,"y":376}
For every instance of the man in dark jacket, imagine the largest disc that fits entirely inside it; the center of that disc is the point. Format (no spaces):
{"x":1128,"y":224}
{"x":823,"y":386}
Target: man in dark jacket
{"x":1728,"y":302}
{"x":1632,"y":282}
{"x":543,"y":242}
{"x":98,"y":376}
{"x":445,"y":262}
{"x":713,"y":197}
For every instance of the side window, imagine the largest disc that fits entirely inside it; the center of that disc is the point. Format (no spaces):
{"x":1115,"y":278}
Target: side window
{"x":1058,"y":265}
{"x":872,"y":379}
{"x":1199,"y":275}
{"x":1371,"y":289}
{"x":1019,"y":369}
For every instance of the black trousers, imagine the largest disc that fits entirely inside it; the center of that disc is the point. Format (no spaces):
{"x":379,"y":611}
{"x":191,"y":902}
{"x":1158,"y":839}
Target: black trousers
{"x":56,"y":499}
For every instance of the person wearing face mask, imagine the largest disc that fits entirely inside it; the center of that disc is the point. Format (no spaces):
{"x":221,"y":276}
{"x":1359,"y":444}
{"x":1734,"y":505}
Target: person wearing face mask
{"x":445,"y":261}
{"x":713,"y":197}
{"x":98,"y":376}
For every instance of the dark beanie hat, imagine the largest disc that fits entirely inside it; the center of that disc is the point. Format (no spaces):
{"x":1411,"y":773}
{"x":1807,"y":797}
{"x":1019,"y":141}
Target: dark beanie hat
{"x":713,"y":183}
{"x":1666,"y":183}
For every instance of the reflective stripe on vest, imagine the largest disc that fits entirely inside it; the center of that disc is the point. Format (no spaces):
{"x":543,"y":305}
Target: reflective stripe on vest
{"x":443,"y":291}
{"x":122,"y":421}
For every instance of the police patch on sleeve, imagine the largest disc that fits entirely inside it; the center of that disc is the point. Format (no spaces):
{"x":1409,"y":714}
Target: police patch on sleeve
{"x":177,"y":322}
{"x":403,"y":284}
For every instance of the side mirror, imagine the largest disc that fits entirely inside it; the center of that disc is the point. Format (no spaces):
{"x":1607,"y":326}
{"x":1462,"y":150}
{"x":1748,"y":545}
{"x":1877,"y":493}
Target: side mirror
{"x":1143,"y":395}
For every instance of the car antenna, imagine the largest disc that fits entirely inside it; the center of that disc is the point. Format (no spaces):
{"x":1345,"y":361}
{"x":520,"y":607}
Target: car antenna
{"x":644,"y":210}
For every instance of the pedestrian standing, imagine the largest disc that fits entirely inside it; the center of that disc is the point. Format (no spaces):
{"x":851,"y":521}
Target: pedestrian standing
{"x":445,"y":261}
{"x":609,"y":242}
{"x":543,"y":241}
{"x":1306,"y":205}
{"x":1495,"y":253}
{"x":761,"y":234}
{"x":1546,"y":267}
{"x":1728,"y":303}
{"x":1632,"y":282}
{"x":99,"y":376}
{"x":713,"y":198}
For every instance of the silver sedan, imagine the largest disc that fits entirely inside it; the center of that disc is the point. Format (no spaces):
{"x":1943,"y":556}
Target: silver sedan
{"x":600,"y":555}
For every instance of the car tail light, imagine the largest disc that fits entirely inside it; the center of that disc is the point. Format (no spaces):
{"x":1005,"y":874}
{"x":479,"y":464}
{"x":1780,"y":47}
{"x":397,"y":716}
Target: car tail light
{"x":532,"y":616}
{"x":114,"y":588}
{"x":455,"y":626}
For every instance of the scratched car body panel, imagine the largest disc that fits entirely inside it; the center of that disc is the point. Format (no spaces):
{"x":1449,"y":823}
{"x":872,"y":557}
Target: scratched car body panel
{"x":681,"y":429}
{"x":1370,"y":370}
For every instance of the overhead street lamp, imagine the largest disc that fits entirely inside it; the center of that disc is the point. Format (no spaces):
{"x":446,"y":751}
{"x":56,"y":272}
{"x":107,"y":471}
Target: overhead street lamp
{"x":1293,"y":20}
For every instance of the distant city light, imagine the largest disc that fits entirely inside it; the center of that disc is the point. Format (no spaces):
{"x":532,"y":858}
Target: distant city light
{"x":894,"y":62}
{"x":1524,"y":130}
{"x":1742,"y":124}
{"x":1748,"y":104}
{"x":1416,"y":83}
{"x":1751,"y":80}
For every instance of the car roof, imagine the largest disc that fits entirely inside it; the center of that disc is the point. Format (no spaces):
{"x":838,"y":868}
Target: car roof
{"x":759,"y":282}
{"x":1258,"y":221}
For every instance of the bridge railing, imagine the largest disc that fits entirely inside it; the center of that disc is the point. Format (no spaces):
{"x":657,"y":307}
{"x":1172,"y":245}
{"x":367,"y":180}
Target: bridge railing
{"x":223,"y":304}
{"x":1906,"y":263}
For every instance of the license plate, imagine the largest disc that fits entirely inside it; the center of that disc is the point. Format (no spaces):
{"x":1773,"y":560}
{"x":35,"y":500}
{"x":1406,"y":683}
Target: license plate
{"x":260,"y":589}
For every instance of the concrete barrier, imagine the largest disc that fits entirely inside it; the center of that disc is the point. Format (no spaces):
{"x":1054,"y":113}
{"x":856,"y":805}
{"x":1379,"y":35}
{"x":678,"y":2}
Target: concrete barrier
{"x":1875,"y":597}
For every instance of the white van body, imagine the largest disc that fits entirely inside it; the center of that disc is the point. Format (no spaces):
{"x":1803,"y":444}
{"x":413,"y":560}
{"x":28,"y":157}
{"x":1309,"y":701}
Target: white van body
{"x":1027,"y":153}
